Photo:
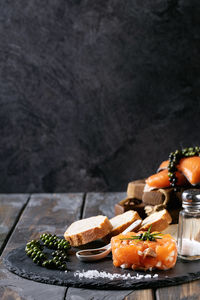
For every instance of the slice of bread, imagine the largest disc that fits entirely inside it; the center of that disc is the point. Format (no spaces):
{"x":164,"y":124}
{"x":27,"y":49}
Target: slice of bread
{"x":87,"y":230}
{"x":121,"y":222}
{"x":158,"y":221}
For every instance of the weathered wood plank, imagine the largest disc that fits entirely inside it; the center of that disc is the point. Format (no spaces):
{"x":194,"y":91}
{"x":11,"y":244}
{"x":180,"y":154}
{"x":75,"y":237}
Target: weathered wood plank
{"x":11,"y":207}
{"x":101,"y":203}
{"x":187,"y":291}
{"x":141,"y":294}
{"x":83,"y":294}
{"x":13,"y":287}
{"x":44,"y":213}
{"x":95,"y":204}
{"x":104,"y":203}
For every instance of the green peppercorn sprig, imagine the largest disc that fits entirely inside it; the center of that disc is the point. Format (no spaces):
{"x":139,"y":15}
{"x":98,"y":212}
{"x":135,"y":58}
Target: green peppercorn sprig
{"x":53,"y":242}
{"x":146,"y":236}
{"x":34,"y":250}
{"x":174,"y":159}
{"x":60,"y":255}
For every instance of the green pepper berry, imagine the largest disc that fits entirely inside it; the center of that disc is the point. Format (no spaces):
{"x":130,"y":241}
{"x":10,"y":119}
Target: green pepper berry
{"x":63,"y":267}
{"x":58,"y":263}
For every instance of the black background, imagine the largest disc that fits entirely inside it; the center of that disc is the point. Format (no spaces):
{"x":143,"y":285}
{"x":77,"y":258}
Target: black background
{"x":96,"y":93}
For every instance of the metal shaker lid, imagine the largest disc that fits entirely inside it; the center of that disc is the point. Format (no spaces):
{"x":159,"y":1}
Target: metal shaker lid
{"x":191,"y":198}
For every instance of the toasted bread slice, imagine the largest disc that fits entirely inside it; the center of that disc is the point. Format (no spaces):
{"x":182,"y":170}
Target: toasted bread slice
{"x":121,"y":222}
{"x":158,"y":221}
{"x":87,"y":230}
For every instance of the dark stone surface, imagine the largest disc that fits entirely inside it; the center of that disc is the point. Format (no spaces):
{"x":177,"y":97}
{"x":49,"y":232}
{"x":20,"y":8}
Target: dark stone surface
{"x":94,"y":94}
{"x":18,"y":262}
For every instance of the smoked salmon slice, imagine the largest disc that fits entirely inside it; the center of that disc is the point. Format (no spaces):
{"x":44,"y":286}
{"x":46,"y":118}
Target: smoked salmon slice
{"x":161,"y":180}
{"x":144,"y":255}
{"x":163,"y":165}
{"x":189,"y":166}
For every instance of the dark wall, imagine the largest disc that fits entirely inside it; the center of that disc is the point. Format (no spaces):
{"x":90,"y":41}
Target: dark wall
{"x":96,"y":93}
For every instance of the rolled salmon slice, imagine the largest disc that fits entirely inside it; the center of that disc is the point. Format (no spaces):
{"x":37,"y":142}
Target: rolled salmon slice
{"x":190,"y":167}
{"x":161,"y":180}
{"x":163,"y":166}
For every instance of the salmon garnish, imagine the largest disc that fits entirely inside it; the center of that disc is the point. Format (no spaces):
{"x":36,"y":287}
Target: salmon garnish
{"x":163,"y":165}
{"x":190,"y":167}
{"x":161,"y":180}
{"x":130,"y":252}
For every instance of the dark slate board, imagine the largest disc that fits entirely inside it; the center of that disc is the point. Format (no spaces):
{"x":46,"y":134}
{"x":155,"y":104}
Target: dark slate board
{"x":17,"y":262}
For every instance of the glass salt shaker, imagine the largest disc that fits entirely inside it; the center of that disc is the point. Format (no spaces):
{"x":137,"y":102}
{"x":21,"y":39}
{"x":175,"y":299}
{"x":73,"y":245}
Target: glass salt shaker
{"x":189,"y":226}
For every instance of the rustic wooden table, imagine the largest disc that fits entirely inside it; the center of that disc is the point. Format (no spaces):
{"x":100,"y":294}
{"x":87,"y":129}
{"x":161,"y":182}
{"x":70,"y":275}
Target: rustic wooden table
{"x":23,"y":217}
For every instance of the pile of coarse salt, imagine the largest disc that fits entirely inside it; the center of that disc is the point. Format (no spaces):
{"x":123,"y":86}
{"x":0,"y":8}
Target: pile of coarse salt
{"x":94,"y":274}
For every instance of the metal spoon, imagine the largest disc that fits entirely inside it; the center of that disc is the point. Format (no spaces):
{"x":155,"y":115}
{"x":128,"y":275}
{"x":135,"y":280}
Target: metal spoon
{"x":99,"y":253}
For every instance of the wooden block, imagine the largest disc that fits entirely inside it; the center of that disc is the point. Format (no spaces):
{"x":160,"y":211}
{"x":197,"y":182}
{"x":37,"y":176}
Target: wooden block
{"x":119,"y":209}
{"x":160,"y":196}
{"x":153,"y":198}
{"x":135,"y":189}
{"x":130,"y":204}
